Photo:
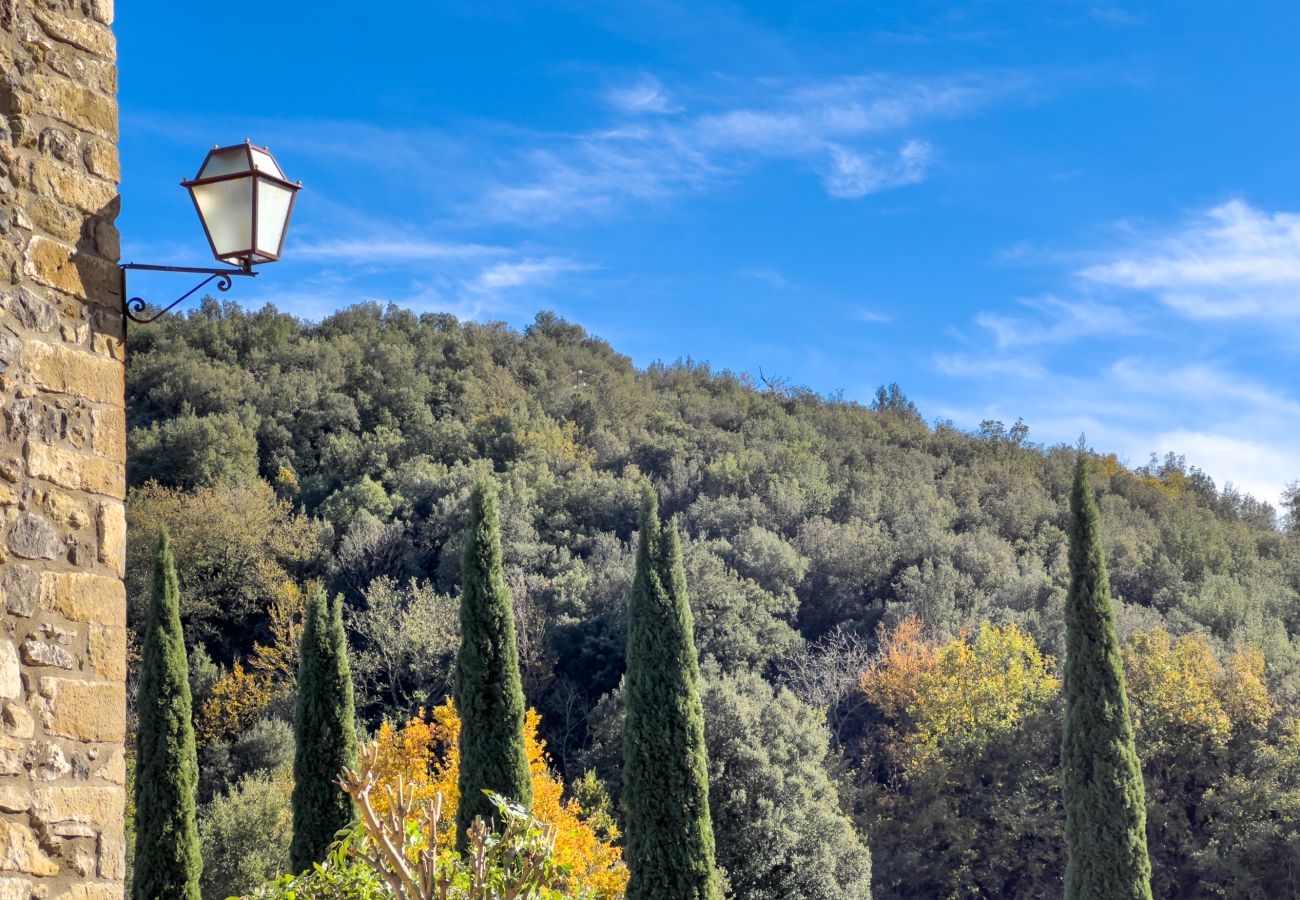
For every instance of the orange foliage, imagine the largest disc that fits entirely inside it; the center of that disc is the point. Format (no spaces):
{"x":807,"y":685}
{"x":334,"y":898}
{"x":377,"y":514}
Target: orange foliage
{"x":893,"y":680}
{"x":425,"y":754}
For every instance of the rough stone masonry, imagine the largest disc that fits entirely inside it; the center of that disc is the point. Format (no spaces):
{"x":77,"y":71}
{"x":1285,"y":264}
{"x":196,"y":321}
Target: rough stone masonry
{"x":62,"y":456}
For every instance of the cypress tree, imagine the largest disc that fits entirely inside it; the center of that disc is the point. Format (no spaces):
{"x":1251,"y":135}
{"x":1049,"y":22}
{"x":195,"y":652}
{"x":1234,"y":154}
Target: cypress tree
{"x":1105,"y":804}
{"x":488,"y":690}
{"x":669,"y":833}
{"x":324,"y":732}
{"x":167,"y":861}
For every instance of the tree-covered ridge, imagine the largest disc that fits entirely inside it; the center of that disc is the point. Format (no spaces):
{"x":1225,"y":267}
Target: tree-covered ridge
{"x":346,"y":452}
{"x":813,"y":511}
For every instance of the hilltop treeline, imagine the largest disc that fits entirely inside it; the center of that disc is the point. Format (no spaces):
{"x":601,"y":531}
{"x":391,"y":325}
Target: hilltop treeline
{"x":818,"y":534}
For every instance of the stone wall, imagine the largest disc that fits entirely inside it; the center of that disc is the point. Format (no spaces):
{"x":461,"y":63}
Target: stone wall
{"x":62,"y":453}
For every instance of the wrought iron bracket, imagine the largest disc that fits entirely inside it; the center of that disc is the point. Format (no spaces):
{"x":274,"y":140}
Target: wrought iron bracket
{"x":131,"y":307}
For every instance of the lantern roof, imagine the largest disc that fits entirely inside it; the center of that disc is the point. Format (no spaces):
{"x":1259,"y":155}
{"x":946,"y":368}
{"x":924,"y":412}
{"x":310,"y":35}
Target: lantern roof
{"x":239,"y":159}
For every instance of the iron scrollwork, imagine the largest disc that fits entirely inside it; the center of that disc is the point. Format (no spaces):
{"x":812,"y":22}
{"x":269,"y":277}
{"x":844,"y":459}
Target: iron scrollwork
{"x":134,"y":305}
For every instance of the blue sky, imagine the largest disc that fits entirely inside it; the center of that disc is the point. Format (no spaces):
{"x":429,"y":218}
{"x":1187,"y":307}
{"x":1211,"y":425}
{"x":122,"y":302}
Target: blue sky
{"x":1085,"y":214}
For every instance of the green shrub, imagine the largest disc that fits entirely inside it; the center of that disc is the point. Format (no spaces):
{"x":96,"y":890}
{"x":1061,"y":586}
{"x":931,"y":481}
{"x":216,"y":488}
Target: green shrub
{"x":244,"y":834}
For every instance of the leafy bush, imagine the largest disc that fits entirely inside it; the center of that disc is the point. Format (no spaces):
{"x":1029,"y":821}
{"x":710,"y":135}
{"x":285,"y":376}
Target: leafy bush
{"x":395,"y":853}
{"x":244,"y":834}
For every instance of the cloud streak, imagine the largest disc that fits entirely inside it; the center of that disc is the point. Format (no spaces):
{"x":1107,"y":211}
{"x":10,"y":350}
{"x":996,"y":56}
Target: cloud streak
{"x":1232,"y":261}
{"x":850,"y":131}
{"x":393,"y":250}
{"x":1147,"y":347}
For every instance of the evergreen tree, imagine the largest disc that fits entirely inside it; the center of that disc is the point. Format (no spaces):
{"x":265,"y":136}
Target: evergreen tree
{"x":1105,"y":804}
{"x":167,"y":861}
{"x":669,"y":832}
{"x":324,"y":732}
{"x":489,"y":692}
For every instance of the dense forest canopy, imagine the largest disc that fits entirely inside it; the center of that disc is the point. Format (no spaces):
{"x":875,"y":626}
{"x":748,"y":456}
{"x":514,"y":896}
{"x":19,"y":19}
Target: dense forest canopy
{"x":280,"y":452}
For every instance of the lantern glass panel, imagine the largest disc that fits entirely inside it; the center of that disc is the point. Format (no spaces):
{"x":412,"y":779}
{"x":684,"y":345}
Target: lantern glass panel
{"x":263,"y":162}
{"x":227,"y":211}
{"x":272,"y":215}
{"x":225,"y":162}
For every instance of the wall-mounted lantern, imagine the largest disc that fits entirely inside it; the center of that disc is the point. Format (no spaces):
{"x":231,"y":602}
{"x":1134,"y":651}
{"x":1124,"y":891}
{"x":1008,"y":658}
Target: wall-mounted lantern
{"x":244,"y":202}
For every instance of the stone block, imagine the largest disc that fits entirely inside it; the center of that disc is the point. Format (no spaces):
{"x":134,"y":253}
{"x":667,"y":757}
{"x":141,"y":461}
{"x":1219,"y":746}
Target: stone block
{"x":14,"y":797}
{"x":11,"y":673}
{"x":80,"y":274}
{"x":76,"y":105}
{"x":102,"y":11}
{"x":21,"y":588}
{"x":113,"y":767}
{"x":110,"y":526}
{"x":17,"y":721}
{"x":54,"y":219}
{"x":46,"y":761}
{"x":20,"y":852}
{"x":108,"y":432}
{"x":65,"y":371}
{"x":78,"y":471}
{"x":32,"y":536}
{"x":107,"y":241}
{"x":80,"y":859}
{"x":39,"y":654}
{"x":88,"y":36}
{"x":31,"y":311}
{"x":112,"y":857}
{"x":16,"y":888}
{"x":83,"y":710}
{"x":66,"y":509}
{"x":106,"y":652}
{"x":70,"y":187}
{"x":82,"y":597}
{"x":78,"y":811}
{"x":88,"y":891}
{"x":101,"y":159}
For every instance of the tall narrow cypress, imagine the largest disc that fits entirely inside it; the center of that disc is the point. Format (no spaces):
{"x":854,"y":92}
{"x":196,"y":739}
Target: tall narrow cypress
{"x":167,"y":861}
{"x":324,"y":732}
{"x":1105,"y":804}
{"x":669,"y":833}
{"x":488,"y":689}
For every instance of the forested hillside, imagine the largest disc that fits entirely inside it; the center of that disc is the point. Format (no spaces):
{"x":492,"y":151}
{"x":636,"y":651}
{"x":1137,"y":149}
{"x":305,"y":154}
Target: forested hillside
{"x":878,"y":600}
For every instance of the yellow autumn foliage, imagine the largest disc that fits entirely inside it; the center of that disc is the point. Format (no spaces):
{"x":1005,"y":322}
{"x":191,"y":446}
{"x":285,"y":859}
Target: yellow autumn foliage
{"x":241,"y":696}
{"x":424,"y":753}
{"x":957,"y":695}
{"x":1185,"y":701}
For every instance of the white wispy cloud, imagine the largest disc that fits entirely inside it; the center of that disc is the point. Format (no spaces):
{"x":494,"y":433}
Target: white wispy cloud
{"x":393,"y":250}
{"x":871,"y":316}
{"x":1204,"y":384}
{"x":1053,"y":320}
{"x":853,"y":174}
{"x":522,"y":273}
{"x":646,"y":95}
{"x":1152,"y":345}
{"x":1229,"y":262}
{"x":771,"y":277}
{"x":846,"y":130}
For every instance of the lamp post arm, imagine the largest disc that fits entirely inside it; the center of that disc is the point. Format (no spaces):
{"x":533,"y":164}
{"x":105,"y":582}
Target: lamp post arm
{"x":134,"y":305}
